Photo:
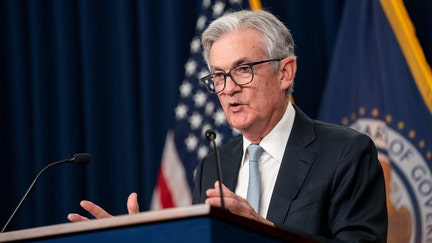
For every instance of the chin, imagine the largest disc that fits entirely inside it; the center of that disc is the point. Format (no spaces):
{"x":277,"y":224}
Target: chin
{"x":241,"y":126}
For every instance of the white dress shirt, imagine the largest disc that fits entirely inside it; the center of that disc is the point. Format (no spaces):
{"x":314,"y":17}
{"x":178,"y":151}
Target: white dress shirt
{"x":274,"y":147}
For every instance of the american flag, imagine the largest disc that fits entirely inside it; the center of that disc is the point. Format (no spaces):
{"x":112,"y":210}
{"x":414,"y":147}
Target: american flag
{"x":197,"y":110}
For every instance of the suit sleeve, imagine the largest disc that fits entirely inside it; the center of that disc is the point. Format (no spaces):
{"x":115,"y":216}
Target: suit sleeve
{"x":197,"y":195}
{"x":357,"y":209}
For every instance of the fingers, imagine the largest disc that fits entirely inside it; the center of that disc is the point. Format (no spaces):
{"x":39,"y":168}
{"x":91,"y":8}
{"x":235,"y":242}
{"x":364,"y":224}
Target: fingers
{"x":73,"y":217}
{"x":214,"y":192}
{"x":234,"y":203}
{"x":213,"y":195}
{"x":132,"y":203}
{"x":98,"y":212}
{"x":90,"y":207}
{"x":94,"y":209}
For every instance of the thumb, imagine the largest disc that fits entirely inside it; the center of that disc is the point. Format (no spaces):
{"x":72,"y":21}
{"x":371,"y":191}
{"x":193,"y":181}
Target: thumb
{"x":132,"y":203}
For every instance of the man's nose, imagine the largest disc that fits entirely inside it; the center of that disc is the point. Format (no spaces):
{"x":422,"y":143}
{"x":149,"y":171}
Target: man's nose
{"x":230,"y":85}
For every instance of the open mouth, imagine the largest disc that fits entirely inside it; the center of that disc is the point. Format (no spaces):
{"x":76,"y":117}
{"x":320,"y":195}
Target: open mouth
{"x":234,"y":106}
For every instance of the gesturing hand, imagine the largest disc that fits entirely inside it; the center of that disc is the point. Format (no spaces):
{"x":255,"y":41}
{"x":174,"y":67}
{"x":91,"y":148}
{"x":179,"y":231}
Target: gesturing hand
{"x":233,"y":203}
{"x":98,"y":212}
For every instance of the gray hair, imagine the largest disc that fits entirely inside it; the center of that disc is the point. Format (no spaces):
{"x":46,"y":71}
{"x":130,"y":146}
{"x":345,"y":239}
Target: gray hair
{"x":278,"y":42}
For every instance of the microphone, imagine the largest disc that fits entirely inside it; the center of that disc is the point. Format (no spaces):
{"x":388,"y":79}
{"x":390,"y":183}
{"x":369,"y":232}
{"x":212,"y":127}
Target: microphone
{"x":81,"y":158}
{"x":211,"y":136}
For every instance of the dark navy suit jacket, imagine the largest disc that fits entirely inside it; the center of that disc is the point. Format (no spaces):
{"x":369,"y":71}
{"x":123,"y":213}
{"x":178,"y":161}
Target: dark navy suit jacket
{"x":330,"y":183}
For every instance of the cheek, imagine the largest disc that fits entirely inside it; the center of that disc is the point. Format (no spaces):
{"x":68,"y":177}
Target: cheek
{"x":223,"y":103}
{"x":269,"y":90}
{"x":221,"y":100}
{"x":269,"y":96}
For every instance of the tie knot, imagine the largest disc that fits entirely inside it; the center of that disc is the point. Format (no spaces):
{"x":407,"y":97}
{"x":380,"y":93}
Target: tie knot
{"x":255,"y":152}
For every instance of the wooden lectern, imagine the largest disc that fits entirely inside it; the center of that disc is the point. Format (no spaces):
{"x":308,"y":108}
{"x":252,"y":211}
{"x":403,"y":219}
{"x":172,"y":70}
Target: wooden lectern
{"x":198,"y":223}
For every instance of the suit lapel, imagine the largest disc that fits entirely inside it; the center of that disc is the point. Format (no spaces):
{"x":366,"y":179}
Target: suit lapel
{"x":295,"y":165}
{"x":230,"y":163}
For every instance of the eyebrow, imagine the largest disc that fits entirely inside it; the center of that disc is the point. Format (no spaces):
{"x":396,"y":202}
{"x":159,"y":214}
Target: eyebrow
{"x":236,"y":63}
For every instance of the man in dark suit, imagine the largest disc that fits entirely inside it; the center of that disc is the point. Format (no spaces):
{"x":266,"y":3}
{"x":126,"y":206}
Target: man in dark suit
{"x":319,"y":178}
{"x":322,"y":179}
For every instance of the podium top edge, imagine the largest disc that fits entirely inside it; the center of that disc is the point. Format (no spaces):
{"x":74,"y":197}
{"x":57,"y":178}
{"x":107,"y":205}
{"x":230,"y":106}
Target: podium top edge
{"x":147,"y":217}
{"x":105,"y":223}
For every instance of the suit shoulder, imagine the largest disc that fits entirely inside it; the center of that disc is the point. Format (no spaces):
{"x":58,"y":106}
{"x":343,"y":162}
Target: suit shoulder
{"x":339,"y":132}
{"x":233,"y":142}
{"x":227,"y":148}
{"x":307,"y":131}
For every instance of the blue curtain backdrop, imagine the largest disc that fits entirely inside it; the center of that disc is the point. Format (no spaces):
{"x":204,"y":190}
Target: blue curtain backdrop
{"x":102,"y":76}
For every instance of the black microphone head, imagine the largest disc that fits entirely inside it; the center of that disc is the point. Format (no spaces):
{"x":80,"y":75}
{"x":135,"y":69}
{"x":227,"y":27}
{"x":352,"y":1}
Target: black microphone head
{"x":81,"y":158}
{"x":210,"y":134}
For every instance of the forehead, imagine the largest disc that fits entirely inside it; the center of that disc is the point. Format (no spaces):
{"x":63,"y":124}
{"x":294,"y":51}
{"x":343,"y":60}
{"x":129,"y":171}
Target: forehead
{"x":242,"y":45}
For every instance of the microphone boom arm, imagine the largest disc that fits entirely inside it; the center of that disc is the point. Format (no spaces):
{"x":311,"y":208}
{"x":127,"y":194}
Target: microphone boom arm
{"x":211,"y":136}
{"x":77,"y":158}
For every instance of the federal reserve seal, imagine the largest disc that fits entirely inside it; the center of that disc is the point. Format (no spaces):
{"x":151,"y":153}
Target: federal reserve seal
{"x":404,"y":158}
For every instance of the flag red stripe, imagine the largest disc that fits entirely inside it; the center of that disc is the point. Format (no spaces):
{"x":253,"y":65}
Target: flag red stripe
{"x":164,"y":192}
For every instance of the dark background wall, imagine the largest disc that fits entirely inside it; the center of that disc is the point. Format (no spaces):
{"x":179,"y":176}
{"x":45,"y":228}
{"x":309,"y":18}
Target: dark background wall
{"x":102,"y":76}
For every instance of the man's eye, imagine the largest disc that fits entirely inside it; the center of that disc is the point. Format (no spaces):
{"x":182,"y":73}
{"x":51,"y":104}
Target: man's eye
{"x":219,"y":75}
{"x":243,"y":69}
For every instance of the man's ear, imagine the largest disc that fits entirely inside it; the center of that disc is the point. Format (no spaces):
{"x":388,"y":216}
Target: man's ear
{"x":287,"y":71}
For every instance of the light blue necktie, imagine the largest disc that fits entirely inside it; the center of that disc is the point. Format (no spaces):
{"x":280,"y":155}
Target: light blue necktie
{"x":254,"y":185}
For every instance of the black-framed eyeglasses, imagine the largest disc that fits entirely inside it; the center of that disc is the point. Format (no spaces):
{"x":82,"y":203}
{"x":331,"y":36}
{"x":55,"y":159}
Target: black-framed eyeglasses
{"x":241,"y":75}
